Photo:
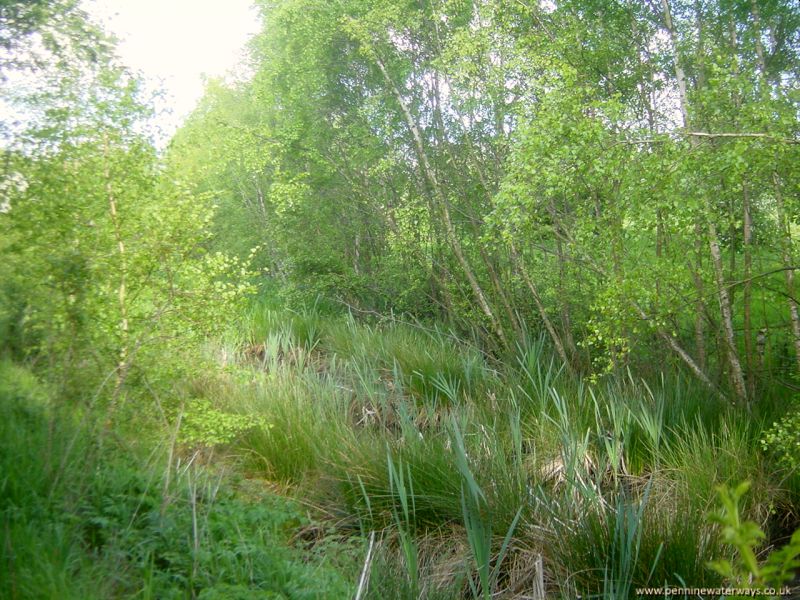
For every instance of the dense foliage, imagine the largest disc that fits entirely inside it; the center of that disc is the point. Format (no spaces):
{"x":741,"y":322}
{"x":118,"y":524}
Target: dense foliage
{"x":621,"y":175}
{"x":445,"y":299}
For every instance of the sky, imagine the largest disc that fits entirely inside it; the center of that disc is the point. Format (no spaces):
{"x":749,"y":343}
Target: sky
{"x":174,"y":43}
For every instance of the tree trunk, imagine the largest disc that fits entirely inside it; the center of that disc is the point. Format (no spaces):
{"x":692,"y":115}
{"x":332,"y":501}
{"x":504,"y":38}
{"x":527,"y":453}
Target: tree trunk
{"x":501,"y":293}
{"x":444,"y":207}
{"x":548,"y":324}
{"x":122,"y":301}
{"x":736,"y":376}
{"x":566,"y":320}
{"x":676,"y":347}
{"x":699,"y":304}
{"x":747,"y":292}
{"x":786,"y":255}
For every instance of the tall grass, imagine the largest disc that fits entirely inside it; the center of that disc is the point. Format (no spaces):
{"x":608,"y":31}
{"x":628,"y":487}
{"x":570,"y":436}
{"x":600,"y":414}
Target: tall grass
{"x":85,"y":515}
{"x":474,"y":478}
{"x":602,"y":487}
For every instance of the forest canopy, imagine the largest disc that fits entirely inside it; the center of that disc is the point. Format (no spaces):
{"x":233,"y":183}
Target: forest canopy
{"x":618,"y":175}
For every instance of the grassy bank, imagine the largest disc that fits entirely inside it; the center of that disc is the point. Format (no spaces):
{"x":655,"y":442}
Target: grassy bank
{"x":89,"y":514}
{"x":457,"y":461}
{"x":323,"y":457}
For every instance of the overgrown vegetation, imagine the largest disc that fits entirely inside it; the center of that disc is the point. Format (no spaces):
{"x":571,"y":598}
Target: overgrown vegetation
{"x":86,"y":515}
{"x":449,"y":300}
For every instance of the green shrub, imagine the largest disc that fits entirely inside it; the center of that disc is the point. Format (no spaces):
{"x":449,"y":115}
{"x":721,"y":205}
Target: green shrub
{"x":208,"y":426}
{"x":783,"y":440}
{"x":745,"y":536}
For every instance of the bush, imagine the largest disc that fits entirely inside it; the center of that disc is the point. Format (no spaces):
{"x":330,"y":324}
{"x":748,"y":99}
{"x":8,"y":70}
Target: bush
{"x":783,"y":440}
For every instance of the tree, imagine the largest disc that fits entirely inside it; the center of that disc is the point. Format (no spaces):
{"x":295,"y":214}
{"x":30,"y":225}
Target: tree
{"x":619,"y":174}
{"x":107,"y":259}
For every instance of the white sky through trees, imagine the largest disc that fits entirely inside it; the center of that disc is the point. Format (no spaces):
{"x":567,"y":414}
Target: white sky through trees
{"x":175,"y":43}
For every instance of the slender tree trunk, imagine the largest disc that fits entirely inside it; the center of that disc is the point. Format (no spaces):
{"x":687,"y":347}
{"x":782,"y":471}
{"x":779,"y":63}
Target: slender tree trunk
{"x":261,"y":204}
{"x":444,"y":207}
{"x":699,"y":303}
{"x":736,"y":376}
{"x":501,"y":293}
{"x":566,"y":319}
{"x":700,"y":306}
{"x":680,"y":76}
{"x":732,"y":228}
{"x":679,"y":350}
{"x":786,"y":255}
{"x":747,"y":291}
{"x":537,"y":299}
{"x":701,"y":45}
{"x":357,"y":254}
{"x":490,"y":268}
{"x":122,"y":302}
{"x":659,"y":248}
{"x":472,"y":155}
